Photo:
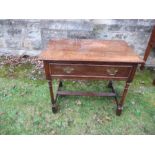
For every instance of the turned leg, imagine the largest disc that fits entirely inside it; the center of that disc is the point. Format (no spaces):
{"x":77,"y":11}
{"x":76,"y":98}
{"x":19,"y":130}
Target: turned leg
{"x":53,"y":101}
{"x":120,"y":105}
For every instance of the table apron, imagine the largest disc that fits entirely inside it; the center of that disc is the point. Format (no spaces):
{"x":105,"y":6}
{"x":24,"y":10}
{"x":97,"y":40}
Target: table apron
{"x":90,"y":71}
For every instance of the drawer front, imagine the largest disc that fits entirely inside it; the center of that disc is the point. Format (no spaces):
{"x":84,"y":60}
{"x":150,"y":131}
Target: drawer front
{"x":68,"y":70}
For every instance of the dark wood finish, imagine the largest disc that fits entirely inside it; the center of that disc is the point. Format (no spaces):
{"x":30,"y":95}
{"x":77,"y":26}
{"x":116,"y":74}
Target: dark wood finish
{"x":151,"y":44}
{"x":53,"y":99}
{"x":120,"y":105}
{"x":84,"y":93}
{"x":90,"y":60}
{"x":68,"y":70}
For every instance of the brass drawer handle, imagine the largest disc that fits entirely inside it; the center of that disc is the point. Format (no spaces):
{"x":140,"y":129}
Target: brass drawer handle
{"x":112,"y":71}
{"x":68,"y":70}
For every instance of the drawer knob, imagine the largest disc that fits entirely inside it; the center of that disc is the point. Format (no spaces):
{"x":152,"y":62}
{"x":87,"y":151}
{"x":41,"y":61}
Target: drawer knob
{"x":68,"y":70}
{"x":112,"y":71}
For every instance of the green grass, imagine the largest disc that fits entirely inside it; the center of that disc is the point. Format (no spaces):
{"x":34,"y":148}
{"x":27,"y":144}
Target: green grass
{"x":25,"y":106}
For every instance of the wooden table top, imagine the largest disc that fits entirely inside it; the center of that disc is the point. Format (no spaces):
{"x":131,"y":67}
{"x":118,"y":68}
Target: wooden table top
{"x":90,"y":50}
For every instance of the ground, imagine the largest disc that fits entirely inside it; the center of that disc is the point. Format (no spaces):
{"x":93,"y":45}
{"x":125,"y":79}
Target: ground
{"x":25,"y":104}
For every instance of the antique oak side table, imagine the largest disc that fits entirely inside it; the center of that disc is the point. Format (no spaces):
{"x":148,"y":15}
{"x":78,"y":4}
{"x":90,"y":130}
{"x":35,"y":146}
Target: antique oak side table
{"x":89,"y":60}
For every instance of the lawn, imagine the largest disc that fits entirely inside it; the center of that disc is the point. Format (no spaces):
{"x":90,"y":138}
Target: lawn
{"x":25,"y":105}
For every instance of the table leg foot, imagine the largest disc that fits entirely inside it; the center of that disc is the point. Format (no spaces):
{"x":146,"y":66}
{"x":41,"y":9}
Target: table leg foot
{"x":119,"y":110}
{"x":121,"y":103}
{"x":54,"y":108}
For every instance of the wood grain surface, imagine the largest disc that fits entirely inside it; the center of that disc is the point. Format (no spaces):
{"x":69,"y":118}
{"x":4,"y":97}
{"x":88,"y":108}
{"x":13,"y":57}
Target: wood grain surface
{"x":90,"y":50}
